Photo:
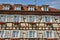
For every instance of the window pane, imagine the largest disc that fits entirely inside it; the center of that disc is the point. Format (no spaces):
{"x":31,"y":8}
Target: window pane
{"x":15,"y":34}
{"x":1,"y":33}
{"x":9,"y":18}
{"x":44,"y":8}
{"x":50,"y":34}
{"x":16,"y":18}
{"x":47,"y":19}
{"x":47,"y":34}
{"x":31,"y":33}
{"x":2,"y":18}
{"x":18,"y":8}
{"x":31,"y":9}
{"x":31,"y":19}
{"x":6,"y":8}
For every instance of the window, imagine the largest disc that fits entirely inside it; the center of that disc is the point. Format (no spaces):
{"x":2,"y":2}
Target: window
{"x":16,"y":18}
{"x":59,"y":19}
{"x":47,"y":19}
{"x":31,"y":9}
{"x":44,"y":8}
{"x":24,"y":18}
{"x":9,"y":25}
{"x":3,"y":26}
{"x":6,"y":8}
{"x":20,"y":18}
{"x":9,"y":18}
{"x":15,"y":33}
{"x":1,"y":33}
{"x":2,"y":18}
{"x":50,"y":27}
{"x":18,"y":8}
{"x":50,"y":34}
{"x":0,"y":26}
{"x":32,"y":34}
{"x":31,"y":19}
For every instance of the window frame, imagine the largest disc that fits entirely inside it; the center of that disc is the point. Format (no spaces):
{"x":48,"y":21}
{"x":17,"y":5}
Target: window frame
{"x":16,"y":19}
{"x":9,"y":18}
{"x":2,"y":18}
{"x":18,"y":8}
{"x":6,"y":7}
{"x":15,"y":35}
{"x":31,"y":9}
{"x":3,"y":34}
{"x":34,"y":35}
{"x":47,"y":19}
{"x":44,"y":9}
{"x":50,"y":34}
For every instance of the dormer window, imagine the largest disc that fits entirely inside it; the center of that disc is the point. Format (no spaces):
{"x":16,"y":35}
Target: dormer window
{"x":45,"y":8}
{"x":6,"y":7}
{"x":18,"y":8}
{"x":31,"y":9}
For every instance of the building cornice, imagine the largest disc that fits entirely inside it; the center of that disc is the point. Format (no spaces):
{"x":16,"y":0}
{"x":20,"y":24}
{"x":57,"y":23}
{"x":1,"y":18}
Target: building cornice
{"x":30,"y":12}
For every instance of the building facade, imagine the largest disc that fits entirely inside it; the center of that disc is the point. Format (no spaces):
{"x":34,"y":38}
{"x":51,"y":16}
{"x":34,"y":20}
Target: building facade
{"x":29,"y":22}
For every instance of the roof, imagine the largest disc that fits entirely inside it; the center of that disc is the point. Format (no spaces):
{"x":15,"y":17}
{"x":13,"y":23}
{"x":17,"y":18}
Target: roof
{"x":25,"y":7}
{"x":54,"y":9}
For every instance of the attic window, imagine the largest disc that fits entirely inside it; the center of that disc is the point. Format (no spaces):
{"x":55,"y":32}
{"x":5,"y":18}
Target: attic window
{"x":17,"y":7}
{"x":6,"y":7}
{"x":45,"y":8}
{"x":31,"y":9}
